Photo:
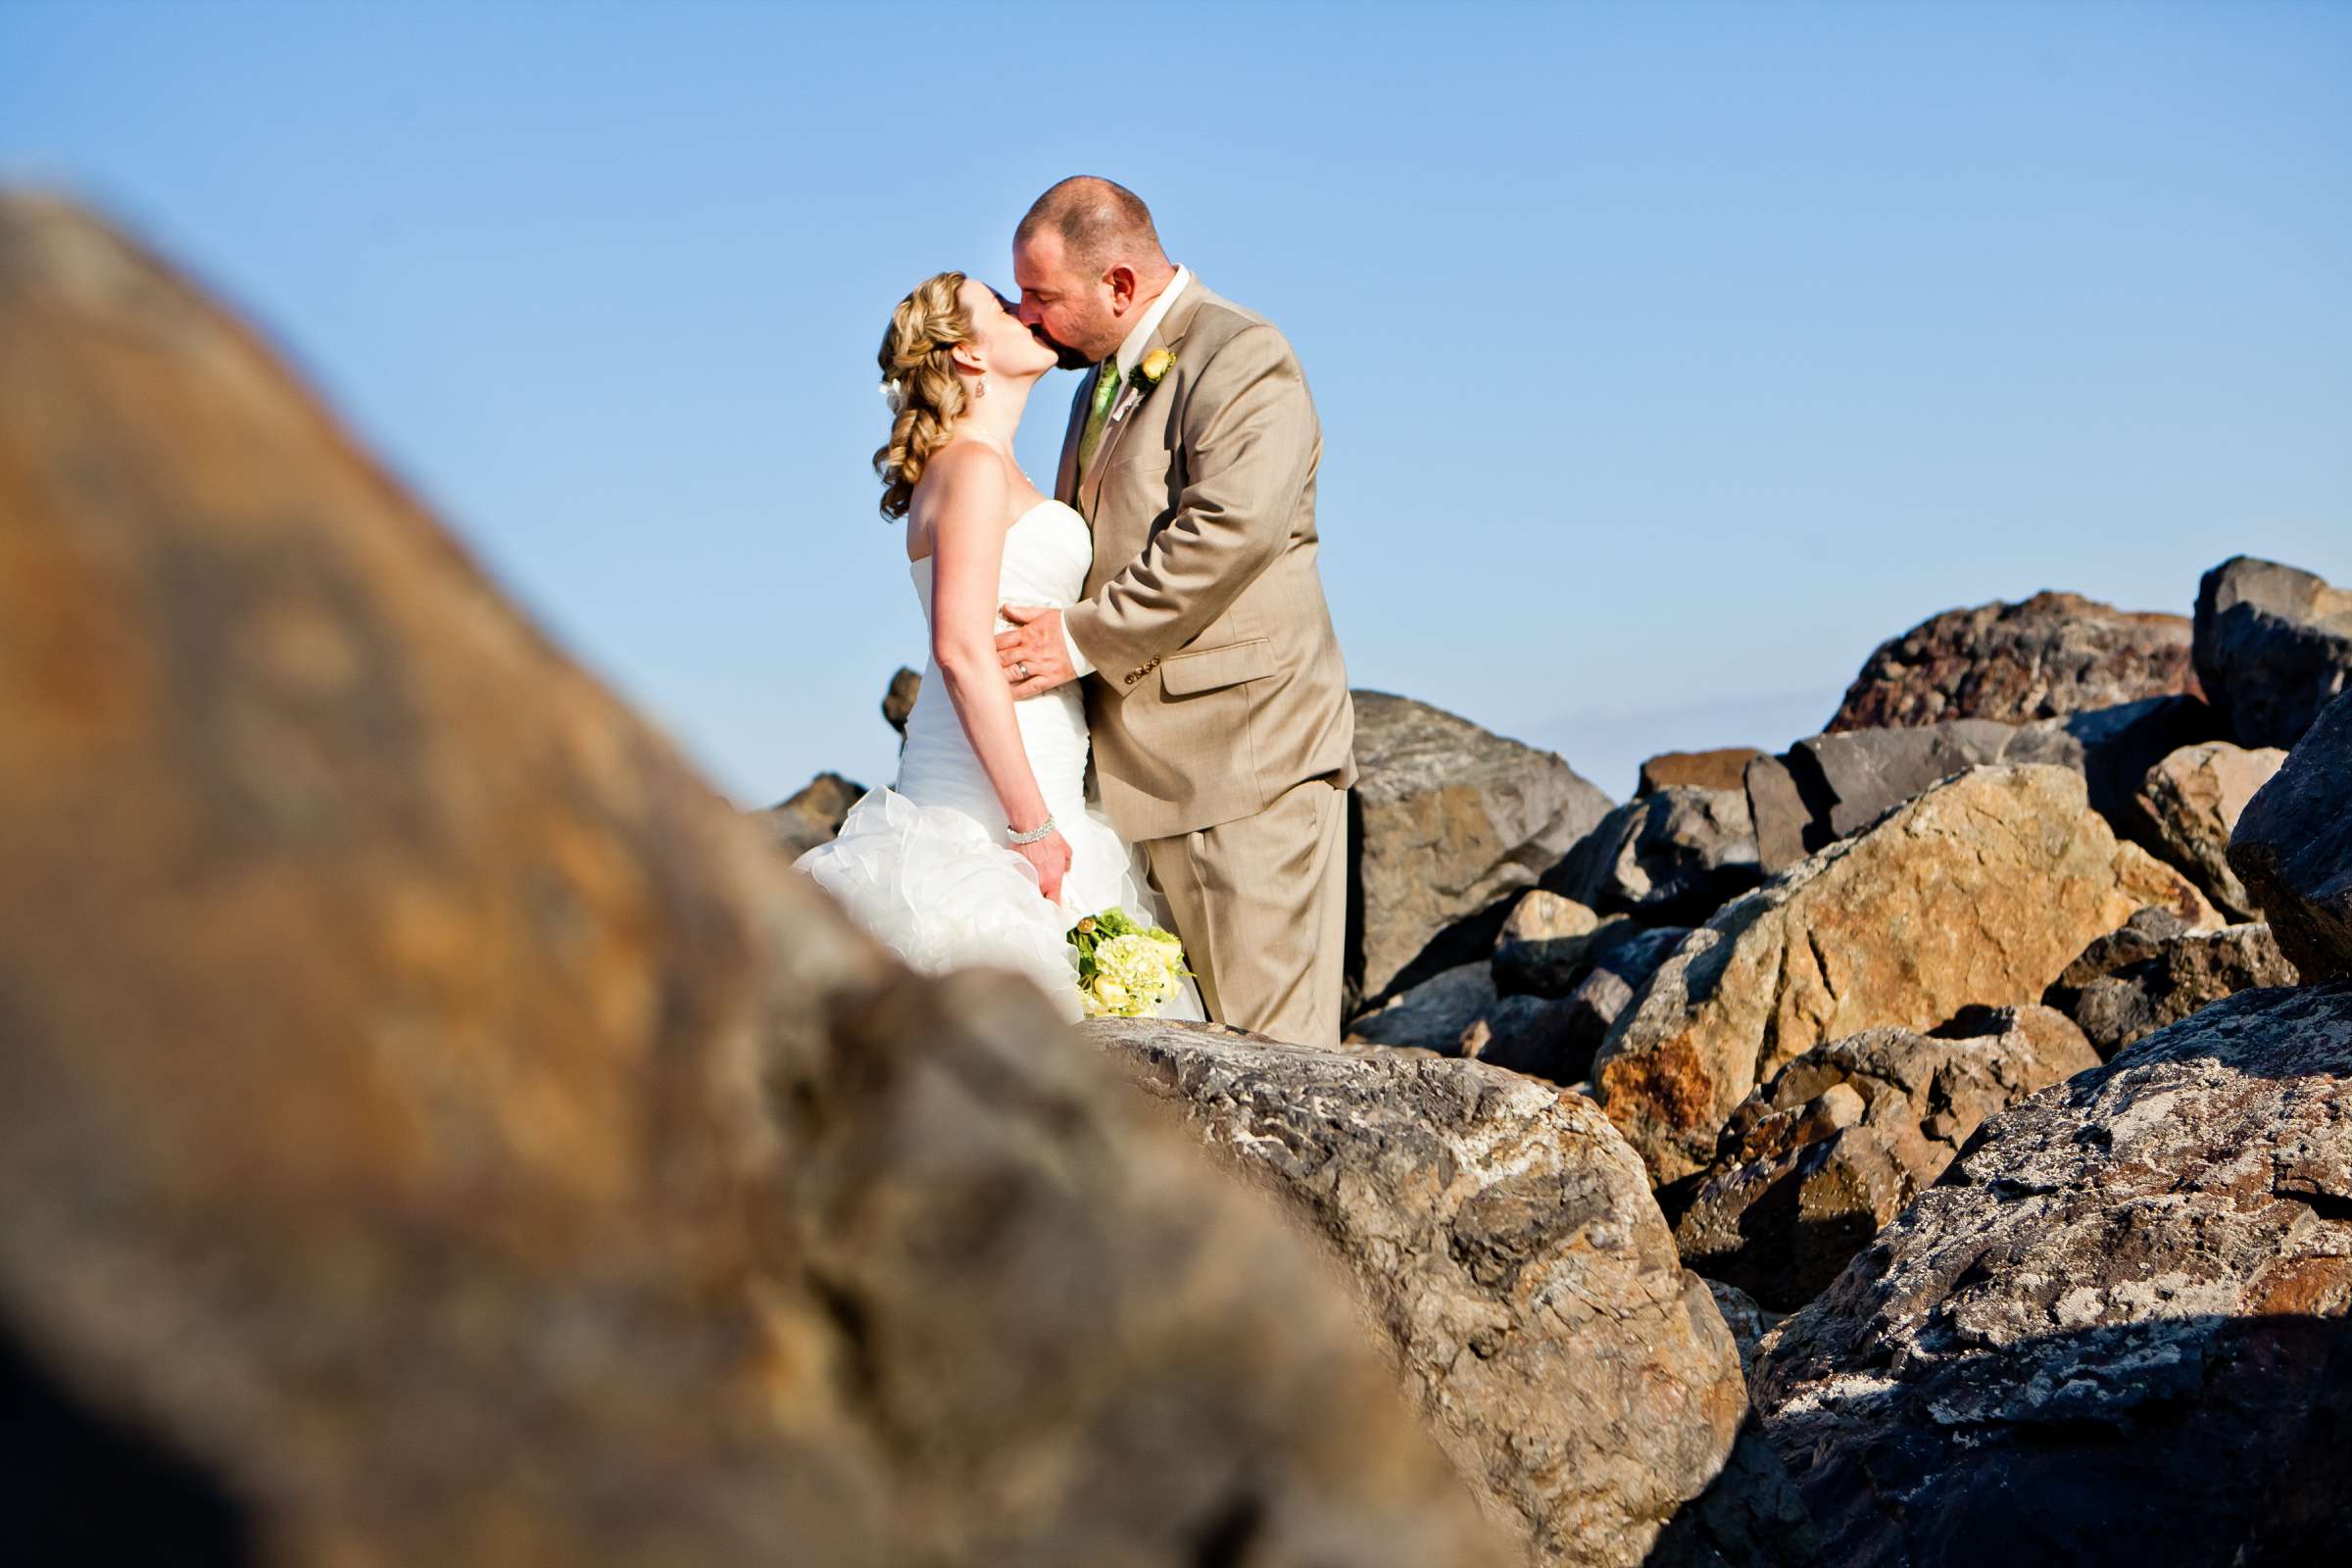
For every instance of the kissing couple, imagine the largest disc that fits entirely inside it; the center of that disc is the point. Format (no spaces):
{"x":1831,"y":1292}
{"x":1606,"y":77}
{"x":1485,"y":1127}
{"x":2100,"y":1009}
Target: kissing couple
{"x":1162,"y":610}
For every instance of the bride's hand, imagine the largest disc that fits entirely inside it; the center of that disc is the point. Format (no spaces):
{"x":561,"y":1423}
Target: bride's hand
{"x":1050,"y":856}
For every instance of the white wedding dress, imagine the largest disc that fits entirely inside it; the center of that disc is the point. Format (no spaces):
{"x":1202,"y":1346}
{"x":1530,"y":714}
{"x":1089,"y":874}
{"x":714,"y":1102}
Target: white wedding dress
{"x":924,"y":865}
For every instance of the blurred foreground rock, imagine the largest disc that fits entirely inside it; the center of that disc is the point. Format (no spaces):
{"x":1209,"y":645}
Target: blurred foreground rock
{"x":2293,"y":847}
{"x":2115,"y":1332}
{"x":1977,"y":893}
{"x":2052,"y":655}
{"x":436,"y":1131}
{"x":1508,"y":1240}
{"x":1453,"y":820}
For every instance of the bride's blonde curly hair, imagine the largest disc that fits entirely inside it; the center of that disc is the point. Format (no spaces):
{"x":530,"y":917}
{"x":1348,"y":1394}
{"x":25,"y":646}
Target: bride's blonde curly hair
{"x":925,"y":328}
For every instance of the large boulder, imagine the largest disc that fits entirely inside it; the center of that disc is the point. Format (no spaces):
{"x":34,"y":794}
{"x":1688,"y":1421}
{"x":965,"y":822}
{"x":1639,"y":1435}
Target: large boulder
{"x":436,"y":1129}
{"x":2156,"y":971}
{"x":2274,"y":646}
{"x":1977,"y":893}
{"x":2052,"y":655}
{"x":1670,"y":858}
{"x":1506,"y":1240}
{"x":1554,"y":1034}
{"x":2105,"y":1335}
{"x":812,"y":816}
{"x":2293,"y":847}
{"x":1829,"y":786}
{"x":1454,"y":820}
{"x":1717,"y":769}
{"x":2193,"y":799}
{"x":1841,"y":1139}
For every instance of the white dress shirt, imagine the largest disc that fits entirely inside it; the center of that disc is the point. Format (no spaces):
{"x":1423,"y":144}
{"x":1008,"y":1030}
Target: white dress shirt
{"x":1129,"y":353}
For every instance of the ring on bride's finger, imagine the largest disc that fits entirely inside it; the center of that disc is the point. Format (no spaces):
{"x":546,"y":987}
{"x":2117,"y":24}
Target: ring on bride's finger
{"x":1021,"y":669}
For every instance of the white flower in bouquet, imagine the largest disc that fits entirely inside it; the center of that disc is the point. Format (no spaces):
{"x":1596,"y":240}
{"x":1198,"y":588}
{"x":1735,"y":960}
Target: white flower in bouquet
{"x":1125,"y":968}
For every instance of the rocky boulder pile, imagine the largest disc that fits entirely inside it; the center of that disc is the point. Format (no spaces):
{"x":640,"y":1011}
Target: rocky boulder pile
{"x":1843,"y":1138}
{"x":1451,"y":822}
{"x":438,"y":1131}
{"x":1829,"y":787}
{"x":2052,"y":655}
{"x":1975,"y":894}
{"x":2107,"y":1332}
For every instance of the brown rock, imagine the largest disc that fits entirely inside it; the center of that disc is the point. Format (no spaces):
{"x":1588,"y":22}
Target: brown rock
{"x":2294,"y":849}
{"x":434,"y":1120}
{"x":2194,"y":799}
{"x":2156,"y":971}
{"x":2105,"y":1334}
{"x":812,"y":816}
{"x":1454,"y":823}
{"x":1718,"y":769}
{"x":1508,"y":1242}
{"x":2054,"y":653}
{"x":899,"y":701}
{"x":1977,"y":893}
{"x":1845,"y":1137}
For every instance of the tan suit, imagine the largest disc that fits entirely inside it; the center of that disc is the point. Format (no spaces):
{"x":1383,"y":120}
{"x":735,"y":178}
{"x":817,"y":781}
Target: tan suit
{"x":1224,"y":739}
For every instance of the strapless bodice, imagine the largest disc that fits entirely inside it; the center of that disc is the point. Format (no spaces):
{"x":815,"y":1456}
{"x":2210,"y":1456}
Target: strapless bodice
{"x":1048,"y":551}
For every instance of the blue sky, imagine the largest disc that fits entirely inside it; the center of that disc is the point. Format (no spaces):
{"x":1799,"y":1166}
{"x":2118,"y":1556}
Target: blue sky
{"x":1670,"y":356}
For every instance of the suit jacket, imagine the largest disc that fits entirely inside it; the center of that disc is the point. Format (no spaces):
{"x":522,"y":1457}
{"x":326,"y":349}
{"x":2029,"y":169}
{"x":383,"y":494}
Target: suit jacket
{"x":1218,"y":680}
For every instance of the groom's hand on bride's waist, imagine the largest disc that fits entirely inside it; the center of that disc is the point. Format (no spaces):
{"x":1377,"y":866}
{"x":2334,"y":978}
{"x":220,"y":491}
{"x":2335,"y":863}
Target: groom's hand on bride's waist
{"x":1035,"y":654}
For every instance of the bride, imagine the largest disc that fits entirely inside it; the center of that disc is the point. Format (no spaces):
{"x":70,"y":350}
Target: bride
{"x":984,"y":852}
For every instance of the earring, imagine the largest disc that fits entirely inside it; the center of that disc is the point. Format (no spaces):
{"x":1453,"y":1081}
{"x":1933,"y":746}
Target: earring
{"x":982,"y":383}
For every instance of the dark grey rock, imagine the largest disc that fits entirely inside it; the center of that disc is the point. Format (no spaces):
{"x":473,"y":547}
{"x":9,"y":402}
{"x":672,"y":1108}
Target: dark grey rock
{"x":1832,"y":786}
{"x":2156,"y":971}
{"x":2273,"y":647}
{"x":1671,"y":857}
{"x":2293,"y":847}
{"x":2106,"y":1333}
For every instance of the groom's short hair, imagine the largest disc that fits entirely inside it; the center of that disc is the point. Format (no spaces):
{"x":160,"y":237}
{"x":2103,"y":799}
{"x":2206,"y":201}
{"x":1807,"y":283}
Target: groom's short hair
{"x":1096,"y":219}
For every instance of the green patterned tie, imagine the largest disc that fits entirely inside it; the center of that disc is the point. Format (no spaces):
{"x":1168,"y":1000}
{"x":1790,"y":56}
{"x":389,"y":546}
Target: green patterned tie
{"x":1107,"y":387}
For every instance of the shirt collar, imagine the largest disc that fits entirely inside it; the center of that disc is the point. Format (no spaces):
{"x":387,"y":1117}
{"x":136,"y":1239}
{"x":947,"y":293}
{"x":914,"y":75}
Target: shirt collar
{"x":1133,"y":349}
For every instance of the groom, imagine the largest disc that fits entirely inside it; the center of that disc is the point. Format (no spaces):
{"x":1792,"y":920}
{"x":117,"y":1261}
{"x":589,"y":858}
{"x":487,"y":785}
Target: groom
{"x":1223,"y":735}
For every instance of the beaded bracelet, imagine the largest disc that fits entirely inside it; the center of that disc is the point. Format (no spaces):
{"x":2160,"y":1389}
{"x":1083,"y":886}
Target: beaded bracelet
{"x":1033,"y":835}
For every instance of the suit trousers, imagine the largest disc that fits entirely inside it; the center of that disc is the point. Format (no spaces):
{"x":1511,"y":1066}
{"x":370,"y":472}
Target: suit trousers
{"x":1260,"y":904}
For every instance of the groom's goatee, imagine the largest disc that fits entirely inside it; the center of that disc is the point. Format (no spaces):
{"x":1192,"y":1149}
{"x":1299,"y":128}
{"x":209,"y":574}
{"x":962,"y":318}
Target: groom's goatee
{"x":1070,"y":359}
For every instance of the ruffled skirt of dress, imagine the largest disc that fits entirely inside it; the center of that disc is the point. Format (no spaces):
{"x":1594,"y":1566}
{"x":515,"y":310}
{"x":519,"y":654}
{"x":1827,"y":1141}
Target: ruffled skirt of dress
{"x":934,"y":885}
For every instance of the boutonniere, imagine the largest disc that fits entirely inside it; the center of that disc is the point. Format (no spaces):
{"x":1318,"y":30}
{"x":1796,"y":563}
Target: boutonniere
{"x":1150,"y":374}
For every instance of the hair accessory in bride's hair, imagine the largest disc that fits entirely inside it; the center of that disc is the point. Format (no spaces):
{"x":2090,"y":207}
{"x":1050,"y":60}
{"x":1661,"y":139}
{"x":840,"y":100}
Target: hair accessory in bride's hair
{"x":894,"y":393}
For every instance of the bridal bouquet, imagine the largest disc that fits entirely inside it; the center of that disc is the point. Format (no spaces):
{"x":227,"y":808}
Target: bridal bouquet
{"x":1125,"y":967}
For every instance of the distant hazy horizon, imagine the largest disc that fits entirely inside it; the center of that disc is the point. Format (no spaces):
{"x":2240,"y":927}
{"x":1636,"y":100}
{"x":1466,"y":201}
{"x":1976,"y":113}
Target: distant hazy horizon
{"x":1669,"y":357}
